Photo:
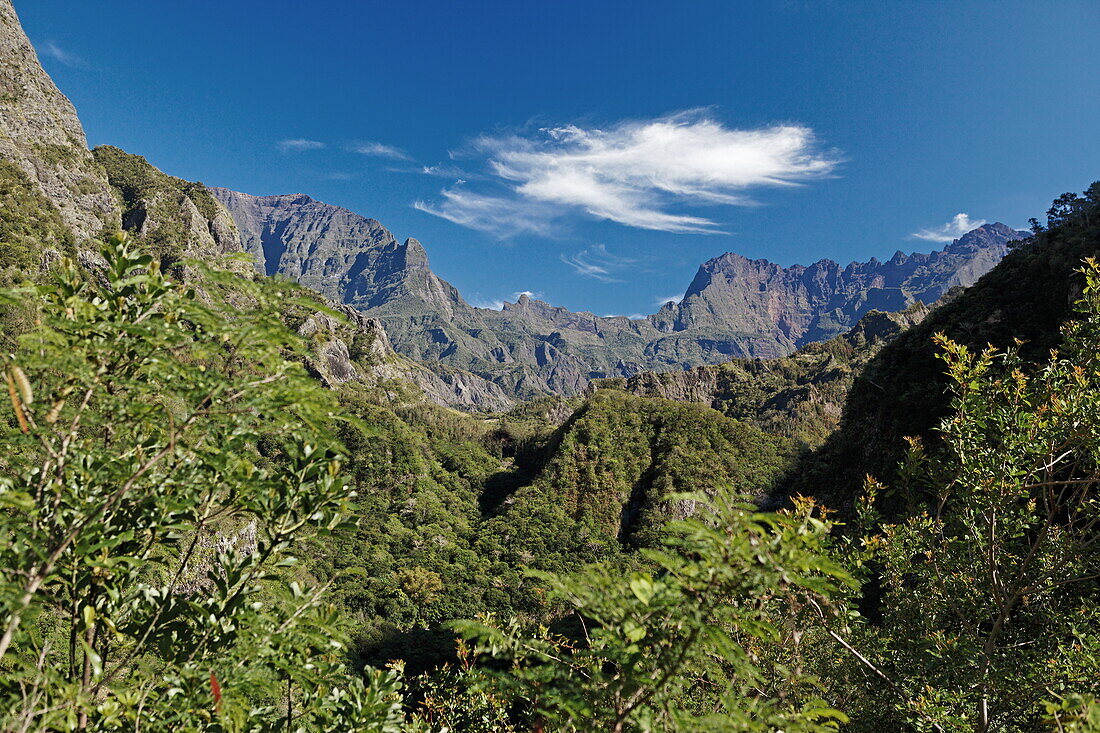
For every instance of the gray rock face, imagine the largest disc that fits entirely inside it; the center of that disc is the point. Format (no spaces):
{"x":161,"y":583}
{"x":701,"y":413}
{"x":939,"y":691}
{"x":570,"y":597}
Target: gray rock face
{"x":40,"y":133}
{"x":341,"y":255}
{"x":735,"y":307}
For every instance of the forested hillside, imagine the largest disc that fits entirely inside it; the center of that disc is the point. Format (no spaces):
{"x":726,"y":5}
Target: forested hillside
{"x":901,"y":392}
{"x":799,"y":396}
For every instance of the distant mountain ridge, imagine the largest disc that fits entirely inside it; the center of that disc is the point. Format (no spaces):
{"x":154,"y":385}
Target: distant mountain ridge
{"x":734,"y":307}
{"x":800,"y":304}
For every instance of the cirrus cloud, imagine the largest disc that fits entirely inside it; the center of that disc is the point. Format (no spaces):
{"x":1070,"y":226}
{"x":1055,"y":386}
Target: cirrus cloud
{"x":959,"y":225}
{"x":637,"y":173}
{"x":299,"y":143}
{"x":66,"y":57}
{"x":504,"y":217}
{"x":374,"y":149}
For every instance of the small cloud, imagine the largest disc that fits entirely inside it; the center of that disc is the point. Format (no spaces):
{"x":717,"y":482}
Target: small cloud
{"x":636,"y":316}
{"x":497,"y":304}
{"x":68,"y":58}
{"x":959,"y":225}
{"x":444,"y":171}
{"x":597,"y":263}
{"x":376,"y":149}
{"x":660,"y":302}
{"x":299,"y":144}
{"x":337,"y":177}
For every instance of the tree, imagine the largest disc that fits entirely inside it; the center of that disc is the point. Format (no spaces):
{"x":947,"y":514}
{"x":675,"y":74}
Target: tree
{"x":162,"y":457}
{"x":990,"y":596}
{"x":1066,"y":207}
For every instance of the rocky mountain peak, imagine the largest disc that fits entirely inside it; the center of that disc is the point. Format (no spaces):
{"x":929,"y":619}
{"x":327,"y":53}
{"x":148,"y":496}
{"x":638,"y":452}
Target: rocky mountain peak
{"x":800,"y":304}
{"x":986,"y":236}
{"x":415,"y":254}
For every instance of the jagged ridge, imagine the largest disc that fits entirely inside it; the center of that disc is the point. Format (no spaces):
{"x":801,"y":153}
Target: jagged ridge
{"x":735,"y":307}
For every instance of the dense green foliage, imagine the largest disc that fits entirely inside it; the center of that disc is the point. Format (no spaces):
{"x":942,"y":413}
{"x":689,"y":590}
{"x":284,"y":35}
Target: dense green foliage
{"x":615,"y":466}
{"x":989,"y":599}
{"x":676,"y":644}
{"x":144,"y":539}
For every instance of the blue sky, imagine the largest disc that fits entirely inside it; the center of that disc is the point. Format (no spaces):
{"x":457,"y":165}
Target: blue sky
{"x":597,"y":152}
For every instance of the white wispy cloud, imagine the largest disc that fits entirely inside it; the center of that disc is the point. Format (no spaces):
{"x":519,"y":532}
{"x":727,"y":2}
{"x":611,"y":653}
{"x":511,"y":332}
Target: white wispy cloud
{"x":637,"y":173}
{"x":670,"y":299}
{"x":959,"y":225}
{"x":299,"y":143}
{"x":68,"y":58}
{"x":442,"y":170}
{"x":597,"y":263}
{"x":376,"y":149}
{"x":503,"y":217}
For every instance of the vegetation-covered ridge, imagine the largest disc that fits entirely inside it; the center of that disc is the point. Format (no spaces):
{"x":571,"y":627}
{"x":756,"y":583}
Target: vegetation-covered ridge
{"x":800,"y":396}
{"x":902,"y":392}
{"x":172,"y":217}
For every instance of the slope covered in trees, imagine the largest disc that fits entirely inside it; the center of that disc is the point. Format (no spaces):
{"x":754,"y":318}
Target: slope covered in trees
{"x":798,"y":396}
{"x":902,"y":391}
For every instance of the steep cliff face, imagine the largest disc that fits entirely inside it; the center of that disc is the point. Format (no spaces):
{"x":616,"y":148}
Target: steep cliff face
{"x":336,"y":252}
{"x":41,"y":137}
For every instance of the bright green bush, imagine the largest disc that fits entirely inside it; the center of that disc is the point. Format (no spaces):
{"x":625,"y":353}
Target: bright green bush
{"x":676,"y":644}
{"x":146,"y":574}
{"x":991,"y":596}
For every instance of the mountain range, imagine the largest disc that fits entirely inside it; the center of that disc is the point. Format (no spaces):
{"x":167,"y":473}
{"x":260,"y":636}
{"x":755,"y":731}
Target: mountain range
{"x":734,"y":308}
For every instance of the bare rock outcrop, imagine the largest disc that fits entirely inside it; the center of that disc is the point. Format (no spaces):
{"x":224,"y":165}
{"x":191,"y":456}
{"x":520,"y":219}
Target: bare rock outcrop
{"x":374,"y":362}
